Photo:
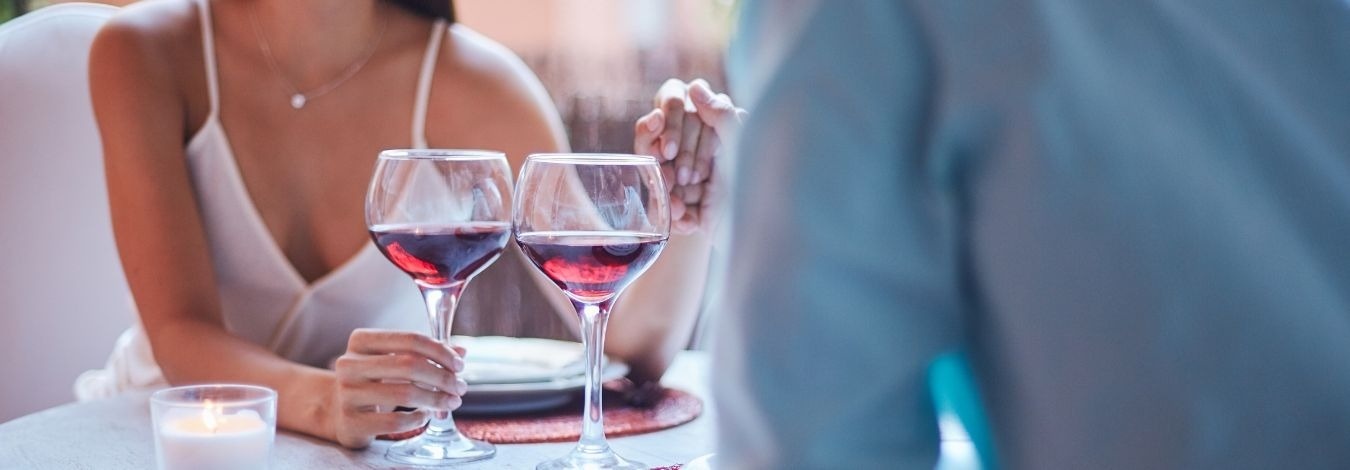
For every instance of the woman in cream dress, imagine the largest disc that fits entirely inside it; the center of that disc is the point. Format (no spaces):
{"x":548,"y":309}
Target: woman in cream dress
{"x":239,"y":137}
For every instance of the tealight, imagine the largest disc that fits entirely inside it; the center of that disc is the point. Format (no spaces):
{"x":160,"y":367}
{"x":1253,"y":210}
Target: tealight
{"x":214,"y":427}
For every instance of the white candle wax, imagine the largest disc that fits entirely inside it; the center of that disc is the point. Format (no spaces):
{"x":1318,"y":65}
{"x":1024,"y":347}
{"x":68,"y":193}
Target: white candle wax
{"x":209,"y":439}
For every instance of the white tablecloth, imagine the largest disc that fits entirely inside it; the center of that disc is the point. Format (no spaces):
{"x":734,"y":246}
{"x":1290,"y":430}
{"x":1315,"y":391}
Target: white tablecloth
{"x":115,"y":434}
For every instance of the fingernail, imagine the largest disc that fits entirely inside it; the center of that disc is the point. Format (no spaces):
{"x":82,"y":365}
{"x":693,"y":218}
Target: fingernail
{"x":670,"y":150}
{"x":697,"y":176}
{"x":683,"y":175}
{"x":461,"y":387}
{"x":457,"y":365}
{"x":653,"y":123}
{"x":700,"y":94}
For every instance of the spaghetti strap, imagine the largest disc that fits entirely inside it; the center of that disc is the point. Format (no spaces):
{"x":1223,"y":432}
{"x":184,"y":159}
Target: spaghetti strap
{"x":419,"y":119}
{"x":209,"y":56}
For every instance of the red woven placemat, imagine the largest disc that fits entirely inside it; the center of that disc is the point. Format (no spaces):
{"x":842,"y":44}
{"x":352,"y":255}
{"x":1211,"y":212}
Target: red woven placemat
{"x":670,"y":408}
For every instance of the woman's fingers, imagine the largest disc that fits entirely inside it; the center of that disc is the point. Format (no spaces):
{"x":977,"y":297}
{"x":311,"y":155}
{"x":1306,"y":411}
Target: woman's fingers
{"x":677,"y":206}
{"x":695,"y":130}
{"x":683,"y":215}
{"x":385,"y":369}
{"x":647,"y":134}
{"x":709,"y":144}
{"x":668,"y":173}
{"x":715,"y":110}
{"x":361,"y":427}
{"x":371,"y":424}
{"x":687,"y":224}
{"x":692,"y":131}
{"x":670,"y":99}
{"x":398,"y":367}
{"x":365,"y":410}
{"x":375,"y":342}
{"x":353,"y":437}
{"x":394,"y":421}
{"x":694,"y":124}
{"x":387,"y":396}
{"x":692,"y":195}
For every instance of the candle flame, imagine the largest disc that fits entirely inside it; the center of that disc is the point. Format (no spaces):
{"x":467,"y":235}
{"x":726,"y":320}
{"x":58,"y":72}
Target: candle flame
{"x":210,"y":416}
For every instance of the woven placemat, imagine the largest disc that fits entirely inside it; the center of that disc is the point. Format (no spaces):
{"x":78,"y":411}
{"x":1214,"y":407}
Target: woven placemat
{"x":665,"y":409}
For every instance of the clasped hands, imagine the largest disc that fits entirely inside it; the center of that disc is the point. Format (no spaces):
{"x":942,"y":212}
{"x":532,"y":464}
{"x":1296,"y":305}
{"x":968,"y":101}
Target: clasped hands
{"x":686,"y":131}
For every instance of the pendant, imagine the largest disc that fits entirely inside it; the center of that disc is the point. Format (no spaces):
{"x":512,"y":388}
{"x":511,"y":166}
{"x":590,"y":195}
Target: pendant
{"x":298,"y":101}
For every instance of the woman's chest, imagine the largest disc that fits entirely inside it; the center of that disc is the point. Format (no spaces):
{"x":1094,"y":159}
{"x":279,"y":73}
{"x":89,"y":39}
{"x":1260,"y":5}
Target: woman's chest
{"x":306,"y":176}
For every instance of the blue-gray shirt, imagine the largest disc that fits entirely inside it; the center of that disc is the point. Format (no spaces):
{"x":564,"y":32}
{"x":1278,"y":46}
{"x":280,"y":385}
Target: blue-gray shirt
{"x":1133,"y":216}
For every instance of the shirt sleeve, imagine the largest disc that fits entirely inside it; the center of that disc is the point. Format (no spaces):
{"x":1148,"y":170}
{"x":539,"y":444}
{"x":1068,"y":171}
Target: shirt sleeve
{"x":840,"y":275}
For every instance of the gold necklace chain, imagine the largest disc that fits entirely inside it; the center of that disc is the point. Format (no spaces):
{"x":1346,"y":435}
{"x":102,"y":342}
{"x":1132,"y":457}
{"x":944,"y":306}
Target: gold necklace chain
{"x":299,"y":98}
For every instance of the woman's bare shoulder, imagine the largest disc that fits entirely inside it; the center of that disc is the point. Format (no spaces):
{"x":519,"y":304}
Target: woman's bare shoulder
{"x":470,"y":53}
{"x":491,"y":70}
{"x":149,"y":37}
{"x":491,"y":78}
{"x":137,"y":67}
{"x":159,"y":24}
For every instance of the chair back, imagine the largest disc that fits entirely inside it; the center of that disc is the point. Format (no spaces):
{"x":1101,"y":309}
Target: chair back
{"x":63,"y":297}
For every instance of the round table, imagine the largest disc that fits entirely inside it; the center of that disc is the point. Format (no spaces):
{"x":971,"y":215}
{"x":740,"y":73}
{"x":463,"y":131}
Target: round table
{"x":115,"y":434}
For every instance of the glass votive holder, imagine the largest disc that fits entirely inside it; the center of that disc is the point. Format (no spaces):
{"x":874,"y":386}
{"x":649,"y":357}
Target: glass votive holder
{"x":214,"y":427}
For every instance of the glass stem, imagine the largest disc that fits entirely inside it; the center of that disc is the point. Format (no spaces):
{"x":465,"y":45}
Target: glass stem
{"x":593,"y":319}
{"x":441,"y":302}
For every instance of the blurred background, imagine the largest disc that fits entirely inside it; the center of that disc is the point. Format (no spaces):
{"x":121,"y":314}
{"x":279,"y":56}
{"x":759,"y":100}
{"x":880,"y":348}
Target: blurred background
{"x":601,"y":61}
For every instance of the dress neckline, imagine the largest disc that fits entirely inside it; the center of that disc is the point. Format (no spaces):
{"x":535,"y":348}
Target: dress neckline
{"x":234,"y":175}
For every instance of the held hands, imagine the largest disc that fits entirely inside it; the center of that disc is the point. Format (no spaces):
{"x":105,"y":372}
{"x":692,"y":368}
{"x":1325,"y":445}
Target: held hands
{"x":386,"y":369}
{"x":686,"y":131}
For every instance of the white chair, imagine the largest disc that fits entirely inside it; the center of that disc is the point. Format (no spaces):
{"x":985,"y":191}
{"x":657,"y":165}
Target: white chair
{"x":63,"y":298}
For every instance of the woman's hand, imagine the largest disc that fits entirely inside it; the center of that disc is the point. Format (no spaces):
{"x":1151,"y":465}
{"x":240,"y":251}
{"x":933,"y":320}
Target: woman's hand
{"x":385,"y":369}
{"x":686,"y":131}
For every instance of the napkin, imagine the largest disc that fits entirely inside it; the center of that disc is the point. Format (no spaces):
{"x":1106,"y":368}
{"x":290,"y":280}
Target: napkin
{"x":500,"y":359}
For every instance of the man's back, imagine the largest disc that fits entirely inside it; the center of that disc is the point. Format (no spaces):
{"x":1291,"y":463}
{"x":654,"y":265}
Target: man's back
{"x":1134,"y":215}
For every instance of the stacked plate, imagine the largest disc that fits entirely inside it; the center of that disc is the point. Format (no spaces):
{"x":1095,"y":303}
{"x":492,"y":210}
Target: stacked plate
{"x":517,"y":375}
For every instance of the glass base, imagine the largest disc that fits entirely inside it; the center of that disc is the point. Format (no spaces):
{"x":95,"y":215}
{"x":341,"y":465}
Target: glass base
{"x":580,"y":459}
{"x":439,"y":449}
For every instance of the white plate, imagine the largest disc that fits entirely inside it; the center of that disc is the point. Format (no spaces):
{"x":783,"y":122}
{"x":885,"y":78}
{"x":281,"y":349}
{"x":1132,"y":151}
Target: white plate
{"x":500,"y":398}
{"x":502,"y":360}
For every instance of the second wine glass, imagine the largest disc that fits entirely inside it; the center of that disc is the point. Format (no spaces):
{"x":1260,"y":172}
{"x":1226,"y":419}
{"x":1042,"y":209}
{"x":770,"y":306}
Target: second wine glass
{"x":441,"y":216}
{"x":592,"y":224}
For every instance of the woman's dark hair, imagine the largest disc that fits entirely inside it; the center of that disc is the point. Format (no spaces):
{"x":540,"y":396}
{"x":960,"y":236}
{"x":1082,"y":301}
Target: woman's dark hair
{"x":444,"y":9}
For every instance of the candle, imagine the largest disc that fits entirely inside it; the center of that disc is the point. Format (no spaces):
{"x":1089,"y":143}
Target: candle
{"x":214,"y":427}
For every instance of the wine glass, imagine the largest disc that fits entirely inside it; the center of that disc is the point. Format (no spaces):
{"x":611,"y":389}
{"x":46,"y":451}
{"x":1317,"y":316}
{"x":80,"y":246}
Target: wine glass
{"x":441,"y":216}
{"x":591,"y":223}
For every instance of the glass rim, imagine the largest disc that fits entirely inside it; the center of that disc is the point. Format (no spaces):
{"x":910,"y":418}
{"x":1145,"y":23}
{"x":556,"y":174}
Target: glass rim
{"x":592,"y":158}
{"x":441,"y":154}
{"x":162,"y":397}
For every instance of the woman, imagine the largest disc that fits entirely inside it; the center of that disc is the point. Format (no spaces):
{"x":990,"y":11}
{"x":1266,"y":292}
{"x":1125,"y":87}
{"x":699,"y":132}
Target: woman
{"x":239,"y":137}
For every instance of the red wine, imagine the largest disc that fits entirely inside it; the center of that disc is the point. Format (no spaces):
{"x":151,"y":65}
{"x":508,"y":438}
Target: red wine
{"x":591,"y":265}
{"x":439,"y":255}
